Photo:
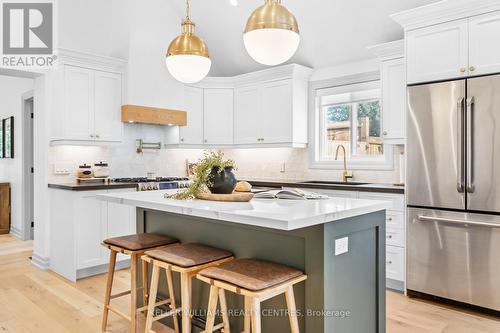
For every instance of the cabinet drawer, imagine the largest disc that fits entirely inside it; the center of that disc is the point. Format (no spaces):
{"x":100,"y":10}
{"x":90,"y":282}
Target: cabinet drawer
{"x":397,"y":200}
{"x":395,"y":263}
{"x":395,"y":236}
{"x":395,"y":220}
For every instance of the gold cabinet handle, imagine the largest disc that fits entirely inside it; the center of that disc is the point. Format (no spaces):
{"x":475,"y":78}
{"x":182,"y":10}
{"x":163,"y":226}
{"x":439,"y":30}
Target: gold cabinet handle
{"x":472,"y":68}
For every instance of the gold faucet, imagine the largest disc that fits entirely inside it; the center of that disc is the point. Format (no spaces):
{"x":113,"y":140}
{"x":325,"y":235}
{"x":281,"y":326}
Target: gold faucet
{"x":346,"y":175}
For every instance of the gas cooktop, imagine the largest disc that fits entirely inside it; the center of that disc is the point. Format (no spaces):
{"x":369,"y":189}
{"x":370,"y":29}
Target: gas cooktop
{"x":148,"y":180}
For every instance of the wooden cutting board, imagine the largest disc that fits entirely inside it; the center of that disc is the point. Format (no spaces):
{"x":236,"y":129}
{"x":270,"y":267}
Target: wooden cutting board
{"x":234,"y":197}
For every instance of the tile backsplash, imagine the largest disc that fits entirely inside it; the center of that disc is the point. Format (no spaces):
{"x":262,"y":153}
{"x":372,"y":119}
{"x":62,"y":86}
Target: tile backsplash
{"x":262,"y":163}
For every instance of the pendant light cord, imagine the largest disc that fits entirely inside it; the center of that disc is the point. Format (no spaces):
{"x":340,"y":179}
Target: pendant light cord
{"x":187,"y":10}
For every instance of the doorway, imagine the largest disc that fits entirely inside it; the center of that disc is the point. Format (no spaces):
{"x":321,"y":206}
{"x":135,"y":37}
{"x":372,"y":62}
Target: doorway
{"x":28,"y":165}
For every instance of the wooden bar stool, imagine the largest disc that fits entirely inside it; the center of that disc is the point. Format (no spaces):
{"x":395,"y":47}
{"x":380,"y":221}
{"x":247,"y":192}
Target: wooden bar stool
{"x":187,"y":260}
{"x":135,"y":246}
{"x":257,"y":281}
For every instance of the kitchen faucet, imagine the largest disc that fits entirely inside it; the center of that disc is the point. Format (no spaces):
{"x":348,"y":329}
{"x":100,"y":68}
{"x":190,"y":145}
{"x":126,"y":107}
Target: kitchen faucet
{"x":346,"y":175}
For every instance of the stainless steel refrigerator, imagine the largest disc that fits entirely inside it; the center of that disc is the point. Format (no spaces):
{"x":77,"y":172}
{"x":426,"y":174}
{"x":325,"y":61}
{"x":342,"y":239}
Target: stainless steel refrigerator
{"x":453,"y":190}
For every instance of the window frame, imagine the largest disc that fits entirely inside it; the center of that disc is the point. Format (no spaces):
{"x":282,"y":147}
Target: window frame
{"x":366,"y":81}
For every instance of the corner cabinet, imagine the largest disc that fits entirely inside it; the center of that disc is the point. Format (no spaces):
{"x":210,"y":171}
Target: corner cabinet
{"x":266,"y":114}
{"x":266,"y":108}
{"x":87,"y":99}
{"x":453,"y":50}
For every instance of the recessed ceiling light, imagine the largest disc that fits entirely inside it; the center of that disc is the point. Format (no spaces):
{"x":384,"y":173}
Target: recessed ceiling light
{"x":233,"y":2}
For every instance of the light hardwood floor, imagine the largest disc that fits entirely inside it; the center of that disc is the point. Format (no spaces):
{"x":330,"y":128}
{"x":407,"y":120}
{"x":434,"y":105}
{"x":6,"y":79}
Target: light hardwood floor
{"x":32,"y":301}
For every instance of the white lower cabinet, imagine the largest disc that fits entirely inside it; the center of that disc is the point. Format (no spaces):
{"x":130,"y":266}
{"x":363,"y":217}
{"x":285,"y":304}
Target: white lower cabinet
{"x":395,"y":263}
{"x":79,"y":224}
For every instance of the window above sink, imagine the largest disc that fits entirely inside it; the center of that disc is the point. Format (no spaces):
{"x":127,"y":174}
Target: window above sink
{"x":350,"y":116}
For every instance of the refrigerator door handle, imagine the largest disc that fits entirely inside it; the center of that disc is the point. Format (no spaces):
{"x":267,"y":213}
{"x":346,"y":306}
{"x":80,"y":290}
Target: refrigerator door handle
{"x":460,"y":145}
{"x":457,"y":221}
{"x":470,"y":172}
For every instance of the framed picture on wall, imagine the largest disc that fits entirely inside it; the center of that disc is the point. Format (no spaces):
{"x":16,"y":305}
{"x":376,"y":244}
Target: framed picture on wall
{"x":8,"y":133}
{"x":1,"y":140}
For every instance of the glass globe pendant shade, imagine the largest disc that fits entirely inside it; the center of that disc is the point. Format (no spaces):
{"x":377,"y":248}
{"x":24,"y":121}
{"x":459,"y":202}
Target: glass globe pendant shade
{"x":188,"y":60}
{"x":272,"y":34}
{"x":271,"y":46}
{"x":187,"y":68}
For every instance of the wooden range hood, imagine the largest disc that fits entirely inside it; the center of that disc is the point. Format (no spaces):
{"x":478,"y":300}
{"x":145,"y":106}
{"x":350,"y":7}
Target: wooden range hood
{"x":156,"y":116}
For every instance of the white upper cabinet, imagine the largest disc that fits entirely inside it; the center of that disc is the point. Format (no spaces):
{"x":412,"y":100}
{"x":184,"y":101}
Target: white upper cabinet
{"x":438,"y":52}
{"x":87,"y":91}
{"x":276,"y":116}
{"x":192,"y":134}
{"x":265,"y":108}
{"x":393,"y":73}
{"x":484,"y":48}
{"x":393,"y":82}
{"x":247,"y":115}
{"x":107,"y":106}
{"x":76,"y":119}
{"x":218,"y":116}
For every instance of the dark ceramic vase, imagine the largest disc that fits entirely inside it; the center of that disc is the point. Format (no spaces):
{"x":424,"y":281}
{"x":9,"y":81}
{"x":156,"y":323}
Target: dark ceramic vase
{"x":222,"y":182}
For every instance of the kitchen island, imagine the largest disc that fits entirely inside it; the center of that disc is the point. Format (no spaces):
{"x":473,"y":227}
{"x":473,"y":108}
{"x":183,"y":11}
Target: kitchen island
{"x":338,"y":242}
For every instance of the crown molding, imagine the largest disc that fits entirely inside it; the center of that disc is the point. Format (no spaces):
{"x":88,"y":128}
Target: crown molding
{"x":443,"y":11}
{"x":294,"y":71}
{"x":78,"y":58}
{"x":388,"y":51}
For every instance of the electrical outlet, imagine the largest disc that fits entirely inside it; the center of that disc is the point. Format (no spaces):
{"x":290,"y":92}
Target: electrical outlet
{"x":62,"y":169}
{"x":341,"y":246}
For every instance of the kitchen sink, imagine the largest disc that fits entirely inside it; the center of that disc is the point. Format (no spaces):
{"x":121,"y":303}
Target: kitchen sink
{"x":320,"y":182}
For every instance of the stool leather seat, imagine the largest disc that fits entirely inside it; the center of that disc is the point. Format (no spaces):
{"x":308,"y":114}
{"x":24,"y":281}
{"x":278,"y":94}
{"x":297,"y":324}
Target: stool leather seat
{"x":188,"y":255}
{"x":140,"y":241}
{"x":251,"y":274}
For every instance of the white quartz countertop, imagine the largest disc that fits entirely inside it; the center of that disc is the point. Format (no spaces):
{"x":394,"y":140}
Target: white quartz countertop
{"x":269,"y":213}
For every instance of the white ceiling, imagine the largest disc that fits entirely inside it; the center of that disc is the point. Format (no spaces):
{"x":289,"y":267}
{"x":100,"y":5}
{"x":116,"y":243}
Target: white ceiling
{"x":333,"y":32}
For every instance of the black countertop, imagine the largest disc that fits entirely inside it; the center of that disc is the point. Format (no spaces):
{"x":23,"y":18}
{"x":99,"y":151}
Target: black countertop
{"x":92,"y":187}
{"x":381,"y":188}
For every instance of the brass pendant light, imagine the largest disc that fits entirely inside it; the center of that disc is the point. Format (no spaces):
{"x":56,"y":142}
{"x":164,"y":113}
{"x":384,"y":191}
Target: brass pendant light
{"x":272,"y":34}
{"x":188,"y":59}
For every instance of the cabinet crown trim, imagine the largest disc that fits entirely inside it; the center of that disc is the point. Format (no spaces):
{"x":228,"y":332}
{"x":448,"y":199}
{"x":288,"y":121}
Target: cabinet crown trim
{"x":269,"y":74}
{"x":83,"y":59}
{"x":390,"y":50}
{"x":443,"y":11}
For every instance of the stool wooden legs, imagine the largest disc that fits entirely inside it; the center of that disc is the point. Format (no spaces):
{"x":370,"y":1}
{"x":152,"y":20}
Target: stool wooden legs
{"x":173,"y":304}
{"x":217,"y":294}
{"x":152,"y":298}
{"x":145,"y":288}
{"x":186,"y":287}
{"x":109,"y":286}
{"x":153,"y":293}
{"x":292,"y":309}
{"x":255,"y":316}
{"x":248,"y":315}
{"x":133,"y":292}
{"x":134,"y":258}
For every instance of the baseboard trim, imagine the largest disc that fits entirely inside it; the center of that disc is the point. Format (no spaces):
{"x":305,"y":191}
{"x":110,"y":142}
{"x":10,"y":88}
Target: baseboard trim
{"x":40,"y":262}
{"x":18,"y":233}
{"x":395,"y":285}
{"x":101,"y":269}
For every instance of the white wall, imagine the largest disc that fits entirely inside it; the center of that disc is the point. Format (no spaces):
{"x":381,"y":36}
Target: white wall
{"x":149,"y":82}
{"x":11,"y":91}
{"x":94,"y":26}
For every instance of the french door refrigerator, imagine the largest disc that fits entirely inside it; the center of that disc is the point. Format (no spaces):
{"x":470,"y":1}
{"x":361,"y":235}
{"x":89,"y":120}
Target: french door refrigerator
{"x":453,"y":190}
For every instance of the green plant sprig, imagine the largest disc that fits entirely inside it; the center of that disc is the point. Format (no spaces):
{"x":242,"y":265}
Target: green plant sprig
{"x":201,"y":182}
